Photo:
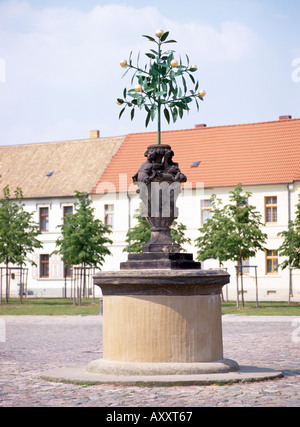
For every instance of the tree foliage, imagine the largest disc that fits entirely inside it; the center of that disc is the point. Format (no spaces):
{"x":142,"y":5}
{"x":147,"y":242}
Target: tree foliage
{"x":83,"y":239}
{"x":18,"y":232}
{"x":139,"y":235}
{"x":291,"y":244}
{"x":234,"y":231}
{"x":210,"y":243}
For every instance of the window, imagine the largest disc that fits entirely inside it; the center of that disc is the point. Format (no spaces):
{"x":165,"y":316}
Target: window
{"x":205,"y":211}
{"x":271,"y":261}
{"x":244,"y":266}
{"x":67,"y":210}
{"x":271,"y":209}
{"x":44,"y":219}
{"x":109,"y":215}
{"x":44,"y":266}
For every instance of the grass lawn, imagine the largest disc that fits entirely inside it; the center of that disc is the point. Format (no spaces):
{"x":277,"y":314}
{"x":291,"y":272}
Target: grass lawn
{"x":64,"y":306}
{"x":265,"y":308}
{"x":49,"y":306}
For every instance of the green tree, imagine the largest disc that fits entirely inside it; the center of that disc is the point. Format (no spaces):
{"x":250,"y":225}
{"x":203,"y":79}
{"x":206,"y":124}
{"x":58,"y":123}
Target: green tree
{"x":158,"y":85}
{"x":290,"y":247}
{"x":18,"y":232}
{"x":83,"y":239}
{"x":213,"y":233}
{"x":139,"y":235}
{"x":234,"y":231}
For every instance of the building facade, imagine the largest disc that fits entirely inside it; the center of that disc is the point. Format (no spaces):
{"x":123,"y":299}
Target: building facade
{"x":49,"y":174}
{"x":264,"y":157}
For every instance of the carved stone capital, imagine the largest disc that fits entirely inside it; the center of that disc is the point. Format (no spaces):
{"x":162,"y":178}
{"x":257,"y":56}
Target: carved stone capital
{"x":159,"y":166}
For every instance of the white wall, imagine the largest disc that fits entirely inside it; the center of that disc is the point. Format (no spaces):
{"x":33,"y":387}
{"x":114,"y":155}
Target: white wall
{"x":271,"y":286}
{"x":125,"y":207}
{"x":274,"y":286}
{"x":52,"y":286}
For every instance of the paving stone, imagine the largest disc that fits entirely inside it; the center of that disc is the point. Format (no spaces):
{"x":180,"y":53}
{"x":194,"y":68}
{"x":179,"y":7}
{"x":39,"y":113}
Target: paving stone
{"x":37,"y":343}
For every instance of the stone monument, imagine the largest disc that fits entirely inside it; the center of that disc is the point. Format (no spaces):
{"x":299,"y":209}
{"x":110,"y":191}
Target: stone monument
{"x":162,"y":320}
{"x":161,"y":312}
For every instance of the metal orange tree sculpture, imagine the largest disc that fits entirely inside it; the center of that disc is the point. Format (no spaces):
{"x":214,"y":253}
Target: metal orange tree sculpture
{"x":157,"y":86}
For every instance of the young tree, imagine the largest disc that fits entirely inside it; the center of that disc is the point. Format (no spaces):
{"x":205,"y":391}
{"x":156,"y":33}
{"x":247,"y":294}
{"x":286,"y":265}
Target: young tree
{"x":18,"y":232}
{"x":291,"y":244}
{"x":233,"y":233}
{"x":139,"y":235}
{"x":178,"y":235}
{"x":84,"y":239}
{"x":210,"y":243}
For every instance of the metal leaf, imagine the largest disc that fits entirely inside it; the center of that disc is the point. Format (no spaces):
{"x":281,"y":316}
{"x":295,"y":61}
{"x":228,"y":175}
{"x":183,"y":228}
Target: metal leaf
{"x":121,"y":112}
{"x":132,"y":114}
{"x":167,"y":115}
{"x":164,"y":36}
{"x":150,"y":38}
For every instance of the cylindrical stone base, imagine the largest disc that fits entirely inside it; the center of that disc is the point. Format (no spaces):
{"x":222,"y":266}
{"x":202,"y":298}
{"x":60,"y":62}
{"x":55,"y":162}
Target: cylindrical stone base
{"x":161,"y":328}
{"x":116,"y":368}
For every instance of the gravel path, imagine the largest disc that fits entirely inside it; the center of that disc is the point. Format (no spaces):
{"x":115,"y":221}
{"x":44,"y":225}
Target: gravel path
{"x":31,"y":344}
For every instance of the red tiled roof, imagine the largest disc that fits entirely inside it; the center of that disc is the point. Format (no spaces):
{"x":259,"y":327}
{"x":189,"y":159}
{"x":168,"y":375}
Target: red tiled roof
{"x":255,"y":153}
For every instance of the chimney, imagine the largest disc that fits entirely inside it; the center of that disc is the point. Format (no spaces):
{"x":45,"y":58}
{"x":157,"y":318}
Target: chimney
{"x":94,"y":134}
{"x":202,"y":125}
{"x":285,"y":117}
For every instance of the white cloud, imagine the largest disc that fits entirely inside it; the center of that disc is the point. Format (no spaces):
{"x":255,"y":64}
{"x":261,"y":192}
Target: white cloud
{"x":67,"y":47}
{"x":62,"y":65}
{"x":232,"y":42}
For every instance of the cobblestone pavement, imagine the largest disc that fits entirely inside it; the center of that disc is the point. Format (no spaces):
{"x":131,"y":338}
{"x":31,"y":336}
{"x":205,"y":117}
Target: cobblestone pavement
{"x":32,"y":344}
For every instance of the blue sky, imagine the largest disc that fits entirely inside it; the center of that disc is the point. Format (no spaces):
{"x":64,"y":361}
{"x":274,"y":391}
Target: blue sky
{"x":60,"y":73}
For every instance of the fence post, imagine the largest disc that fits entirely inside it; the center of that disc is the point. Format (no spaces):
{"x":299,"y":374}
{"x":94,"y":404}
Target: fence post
{"x":237,"y":287}
{"x":0,"y":285}
{"x":256,"y":287}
